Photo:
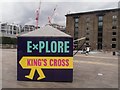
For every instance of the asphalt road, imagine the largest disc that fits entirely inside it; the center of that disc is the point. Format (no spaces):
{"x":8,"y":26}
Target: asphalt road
{"x":97,"y":70}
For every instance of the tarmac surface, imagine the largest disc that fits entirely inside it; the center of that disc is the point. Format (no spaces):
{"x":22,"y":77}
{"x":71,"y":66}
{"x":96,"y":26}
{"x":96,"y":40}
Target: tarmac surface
{"x":96,"y":70}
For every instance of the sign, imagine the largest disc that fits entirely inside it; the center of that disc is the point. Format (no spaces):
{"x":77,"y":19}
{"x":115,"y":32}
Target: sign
{"x":45,"y":59}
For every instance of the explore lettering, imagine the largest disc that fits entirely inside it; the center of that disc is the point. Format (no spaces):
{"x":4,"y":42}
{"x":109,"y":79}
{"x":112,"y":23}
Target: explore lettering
{"x":49,"y":47}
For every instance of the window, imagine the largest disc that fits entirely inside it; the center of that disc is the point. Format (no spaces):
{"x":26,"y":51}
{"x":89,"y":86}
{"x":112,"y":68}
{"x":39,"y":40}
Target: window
{"x":76,"y":20}
{"x":99,"y":39}
{"x":114,"y":17}
{"x":87,"y":28}
{"x":100,"y":18}
{"x":87,"y":33}
{"x":15,"y":28}
{"x":99,"y":34}
{"x":76,"y":33}
{"x":114,"y":33}
{"x":76,"y":24}
{"x":7,"y":31}
{"x":87,"y":24}
{"x":100,"y":29}
{"x":113,"y":39}
{"x":76,"y":36}
{"x":3,"y":31}
{"x":100,"y":23}
{"x":10,"y":27}
{"x":113,"y":45}
{"x":3,"y":25}
{"x":76,"y":29}
{"x":87,"y":39}
{"x":87,"y":19}
{"x":99,"y":46}
{"x":114,"y":23}
{"x":114,"y":27}
{"x":14,"y":32}
{"x":10,"y":32}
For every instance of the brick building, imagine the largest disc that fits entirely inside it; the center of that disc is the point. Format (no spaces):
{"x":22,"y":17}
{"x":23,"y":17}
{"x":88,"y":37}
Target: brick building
{"x":101,"y":28}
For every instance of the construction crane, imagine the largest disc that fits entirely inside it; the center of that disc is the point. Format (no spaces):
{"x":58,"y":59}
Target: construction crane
{"x":50,"y":17}
{"x":37,"y":15}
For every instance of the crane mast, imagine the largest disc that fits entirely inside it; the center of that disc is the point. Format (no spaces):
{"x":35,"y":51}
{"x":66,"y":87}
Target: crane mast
{"x":37,"y":15}
{"x":50,"y":17}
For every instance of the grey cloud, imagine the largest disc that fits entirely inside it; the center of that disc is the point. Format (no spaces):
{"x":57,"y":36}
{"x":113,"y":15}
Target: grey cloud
{"x":24,"y":12}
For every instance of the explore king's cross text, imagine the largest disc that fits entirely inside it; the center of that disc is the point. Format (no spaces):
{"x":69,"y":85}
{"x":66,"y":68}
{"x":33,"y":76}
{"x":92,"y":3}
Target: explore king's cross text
{"x":45,"y":59}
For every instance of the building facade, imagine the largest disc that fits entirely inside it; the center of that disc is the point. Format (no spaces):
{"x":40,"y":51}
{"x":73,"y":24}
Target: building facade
{"x":59,"y":27}
{"x":101,"y":28}
{"x":13,"y":30}
{"x":28,"y":28}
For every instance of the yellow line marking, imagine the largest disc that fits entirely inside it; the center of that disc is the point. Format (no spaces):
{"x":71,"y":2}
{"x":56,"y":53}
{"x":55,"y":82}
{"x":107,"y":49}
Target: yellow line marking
{"x":89,"y":62}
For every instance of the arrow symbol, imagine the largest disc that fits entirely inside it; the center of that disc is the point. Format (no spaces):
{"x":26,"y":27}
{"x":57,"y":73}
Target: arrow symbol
{"x":23,"y":63}
{"x":36,"y":63}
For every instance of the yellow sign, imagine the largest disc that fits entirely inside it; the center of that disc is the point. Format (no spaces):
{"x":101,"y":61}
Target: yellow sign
{"x":38,"y":63}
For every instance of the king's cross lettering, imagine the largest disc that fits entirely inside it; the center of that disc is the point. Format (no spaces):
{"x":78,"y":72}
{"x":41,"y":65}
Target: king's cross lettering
{"x":39,"y":63}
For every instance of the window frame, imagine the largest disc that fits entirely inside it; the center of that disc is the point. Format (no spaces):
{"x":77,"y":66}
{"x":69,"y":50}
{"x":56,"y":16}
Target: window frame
{"x":113,"y":45}
{"x":100,"y":18}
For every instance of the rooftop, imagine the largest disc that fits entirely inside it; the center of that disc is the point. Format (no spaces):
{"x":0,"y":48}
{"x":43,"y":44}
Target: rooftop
{"x":91,"y":12}
{"x":46,"y":31}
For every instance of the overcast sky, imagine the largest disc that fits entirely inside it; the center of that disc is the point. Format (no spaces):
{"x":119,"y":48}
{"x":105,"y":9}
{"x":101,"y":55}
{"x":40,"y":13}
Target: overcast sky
{"x":23,"y":11}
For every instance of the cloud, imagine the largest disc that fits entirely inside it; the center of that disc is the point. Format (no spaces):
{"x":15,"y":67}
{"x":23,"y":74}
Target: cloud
{"x":59,"y":0}
{"x":23,"y":12}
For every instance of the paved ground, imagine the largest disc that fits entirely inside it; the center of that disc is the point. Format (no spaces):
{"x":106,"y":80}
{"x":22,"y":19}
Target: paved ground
{"x":97,"y":70}
{"x":0,"y":68}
